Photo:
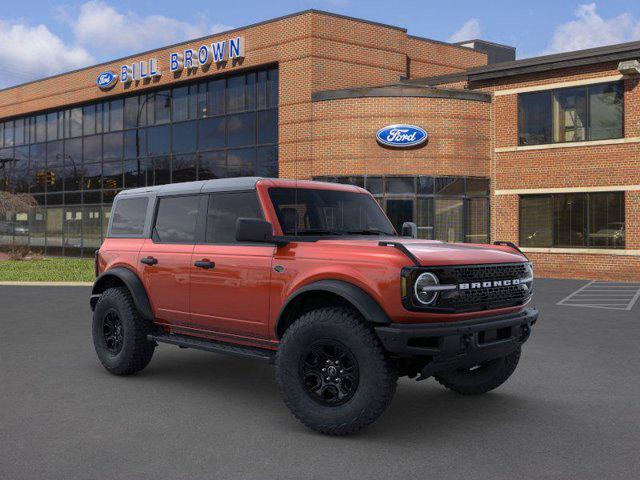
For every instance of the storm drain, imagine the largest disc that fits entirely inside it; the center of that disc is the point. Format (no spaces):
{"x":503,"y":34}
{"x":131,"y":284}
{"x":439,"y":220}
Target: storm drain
{"x":610,"y":295}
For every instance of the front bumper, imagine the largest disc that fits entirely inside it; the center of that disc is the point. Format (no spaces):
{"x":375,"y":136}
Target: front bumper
{"x":448,"y":346}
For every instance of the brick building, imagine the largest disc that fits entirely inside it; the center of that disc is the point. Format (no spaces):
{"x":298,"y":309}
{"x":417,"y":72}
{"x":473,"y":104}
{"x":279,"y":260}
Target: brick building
{"x":540,"y":152}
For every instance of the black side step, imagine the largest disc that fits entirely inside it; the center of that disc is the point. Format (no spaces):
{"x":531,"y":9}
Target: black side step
{"x":185,"y":341}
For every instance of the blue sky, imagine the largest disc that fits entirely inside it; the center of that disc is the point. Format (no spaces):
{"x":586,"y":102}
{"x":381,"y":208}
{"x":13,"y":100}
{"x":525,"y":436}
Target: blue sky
{"x":43,"y":37}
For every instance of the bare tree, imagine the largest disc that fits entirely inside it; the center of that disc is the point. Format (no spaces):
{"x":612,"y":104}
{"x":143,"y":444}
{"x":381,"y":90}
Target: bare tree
{"x":15,"y":202}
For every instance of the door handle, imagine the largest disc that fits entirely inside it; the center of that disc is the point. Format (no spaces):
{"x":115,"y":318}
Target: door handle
{"x":205,"y":264}
{"x":149,"y":261}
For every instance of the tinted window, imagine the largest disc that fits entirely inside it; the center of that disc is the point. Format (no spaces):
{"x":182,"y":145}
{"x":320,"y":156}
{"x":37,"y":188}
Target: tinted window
{"x":573,"y":220}
{"x":211,"y":133}
{"x":176,"y":219}
{"x":128,"y":217}
{"x":326,"y":212}
{"x":606,"y":111}
{"x":591,"y":112}
{"x":241,"y":130}
{"x":184,"y":137}
{"x":224,"y":210}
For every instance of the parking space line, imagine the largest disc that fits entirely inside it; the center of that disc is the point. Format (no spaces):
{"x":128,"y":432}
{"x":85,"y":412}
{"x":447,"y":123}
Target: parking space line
{"x":597,"y":294}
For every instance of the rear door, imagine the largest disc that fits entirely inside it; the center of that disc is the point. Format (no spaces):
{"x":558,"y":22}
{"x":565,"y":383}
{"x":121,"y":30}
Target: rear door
{"x":165,"y":258}
{"x":229,"y":280}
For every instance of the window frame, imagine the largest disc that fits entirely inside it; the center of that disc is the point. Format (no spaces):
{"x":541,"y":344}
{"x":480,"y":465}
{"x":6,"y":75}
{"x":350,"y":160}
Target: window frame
{"x":552,"y":92}
{"x":587,"y":223}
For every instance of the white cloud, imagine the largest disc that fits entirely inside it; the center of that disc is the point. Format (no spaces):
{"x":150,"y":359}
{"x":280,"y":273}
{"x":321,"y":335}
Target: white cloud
{"x":591,"y":30}
{"x":469,"y":31}
{"x":98,"y":32}
{"x":107,"y":31}
{"x":29,"y":52}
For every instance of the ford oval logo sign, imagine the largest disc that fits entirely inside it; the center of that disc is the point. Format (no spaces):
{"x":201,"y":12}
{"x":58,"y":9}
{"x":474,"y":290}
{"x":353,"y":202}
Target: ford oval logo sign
{"x":106,"y":80}
{"x":401,"y":136}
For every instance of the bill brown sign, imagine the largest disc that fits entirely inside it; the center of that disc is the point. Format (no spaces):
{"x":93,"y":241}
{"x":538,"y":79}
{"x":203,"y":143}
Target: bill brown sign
{"x":189,"y":59}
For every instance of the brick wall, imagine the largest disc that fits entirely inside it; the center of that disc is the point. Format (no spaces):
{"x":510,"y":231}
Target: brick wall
{"x":566,"y":167}
{"x":429,"y":58}
{"x":344,"y":137}
{"x":315,"y":51}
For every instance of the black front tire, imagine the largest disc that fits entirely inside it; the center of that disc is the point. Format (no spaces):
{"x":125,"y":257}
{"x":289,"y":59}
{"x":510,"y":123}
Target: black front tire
{"x":120,"y":333}
{"x":482,"y":378}
{"x":341,"y":334}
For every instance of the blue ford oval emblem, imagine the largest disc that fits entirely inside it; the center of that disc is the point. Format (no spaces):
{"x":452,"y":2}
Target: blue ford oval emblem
{"x":401,"y":136}
{"x":106,"y":80}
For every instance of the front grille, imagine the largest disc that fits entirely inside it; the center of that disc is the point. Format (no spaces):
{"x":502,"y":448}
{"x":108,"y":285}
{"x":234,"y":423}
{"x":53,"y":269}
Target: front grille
{"x":484,"y":298}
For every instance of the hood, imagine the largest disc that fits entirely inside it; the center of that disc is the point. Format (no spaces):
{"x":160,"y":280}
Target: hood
{"x":434,"y":253}
{"x":438,"y":253}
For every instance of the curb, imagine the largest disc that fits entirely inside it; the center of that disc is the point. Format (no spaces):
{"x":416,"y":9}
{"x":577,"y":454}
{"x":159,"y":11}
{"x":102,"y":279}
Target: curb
{"x":47,"y":284}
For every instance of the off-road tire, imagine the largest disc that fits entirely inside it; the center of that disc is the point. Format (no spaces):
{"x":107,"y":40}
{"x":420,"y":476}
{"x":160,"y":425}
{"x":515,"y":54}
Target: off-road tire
{"x":483,"y":379}
{"x":136,"y":351}
{"x":377,"y":376}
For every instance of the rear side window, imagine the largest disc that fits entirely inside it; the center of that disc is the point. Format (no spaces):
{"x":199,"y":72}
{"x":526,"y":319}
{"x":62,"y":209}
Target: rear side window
{"x":176,"y":219}
{"x":224,"y":210}
{"x":129,"y":216}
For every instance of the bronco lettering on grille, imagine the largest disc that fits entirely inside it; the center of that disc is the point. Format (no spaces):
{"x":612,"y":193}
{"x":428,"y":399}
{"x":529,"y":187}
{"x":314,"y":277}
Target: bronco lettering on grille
{"x":489,"y":284}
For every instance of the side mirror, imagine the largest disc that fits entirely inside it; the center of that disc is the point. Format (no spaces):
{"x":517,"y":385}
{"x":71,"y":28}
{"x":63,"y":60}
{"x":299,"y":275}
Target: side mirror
{"x":254,"y":230}
{"x":409,"y":229}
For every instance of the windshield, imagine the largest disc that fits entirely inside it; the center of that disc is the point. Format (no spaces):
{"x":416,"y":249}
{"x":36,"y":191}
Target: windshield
{"x":328,"y":212}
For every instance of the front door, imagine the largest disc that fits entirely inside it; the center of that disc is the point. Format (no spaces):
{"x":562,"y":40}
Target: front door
{"x":165,"y":259}
{"x":230,"y":281}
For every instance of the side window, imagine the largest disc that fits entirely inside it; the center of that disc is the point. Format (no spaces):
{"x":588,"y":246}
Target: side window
{"x":176,"y":219}
{"x":129,"y":216}
{"x":224,"y":210}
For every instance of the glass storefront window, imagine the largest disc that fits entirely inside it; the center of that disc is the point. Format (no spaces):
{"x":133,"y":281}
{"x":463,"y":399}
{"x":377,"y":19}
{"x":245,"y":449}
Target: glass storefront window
{"x":477,"y":230}
{"x":211,"y":133}
{"x":116,"y":115}
{"x":578,"y":220}
{"x":241,"y":130}
{"x":184,"y":137}
{"x":449,"y":219}
{"x":212,"y":165}
{"x":75,"y":160}
{"x":424,"y":217}
{"x":591,"y":112}
{"x":241,"y":162}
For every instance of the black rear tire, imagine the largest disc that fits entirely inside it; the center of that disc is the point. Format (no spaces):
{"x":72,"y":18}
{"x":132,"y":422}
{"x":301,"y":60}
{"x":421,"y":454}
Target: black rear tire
{"x":120,"y":333}
{"x":360,"y":380}
{"x":482,"y":378}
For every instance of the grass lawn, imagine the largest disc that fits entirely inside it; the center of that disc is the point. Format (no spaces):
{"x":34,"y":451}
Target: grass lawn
{"x":47,"y":270}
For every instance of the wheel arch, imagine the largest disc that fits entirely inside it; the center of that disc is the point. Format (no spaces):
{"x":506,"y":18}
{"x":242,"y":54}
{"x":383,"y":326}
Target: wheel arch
{"x":123,"y":277}
{"x":329,"y":293}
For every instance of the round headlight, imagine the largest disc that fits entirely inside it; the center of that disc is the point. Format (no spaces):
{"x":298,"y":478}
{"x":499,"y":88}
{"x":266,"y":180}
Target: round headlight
{"x":423,"y":293}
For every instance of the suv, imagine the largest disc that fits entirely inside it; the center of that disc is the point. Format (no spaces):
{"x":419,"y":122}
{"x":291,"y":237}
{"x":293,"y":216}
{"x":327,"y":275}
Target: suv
{"x":313,"y":277}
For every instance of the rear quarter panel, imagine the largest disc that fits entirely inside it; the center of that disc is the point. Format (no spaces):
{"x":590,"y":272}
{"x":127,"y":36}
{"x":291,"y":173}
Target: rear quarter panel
{"x":120,"y":252}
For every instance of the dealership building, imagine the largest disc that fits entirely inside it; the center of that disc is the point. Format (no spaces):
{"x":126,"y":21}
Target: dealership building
{"x":543,"y":152}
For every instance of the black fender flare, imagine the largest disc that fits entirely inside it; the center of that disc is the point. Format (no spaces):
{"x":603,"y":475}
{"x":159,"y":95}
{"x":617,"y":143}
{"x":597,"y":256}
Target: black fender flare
{"x":133,"y":284}
{"x":370,"y":310}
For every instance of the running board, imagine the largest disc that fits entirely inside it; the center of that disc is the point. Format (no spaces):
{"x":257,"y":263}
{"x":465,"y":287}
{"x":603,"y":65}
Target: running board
{"x":185,"y":341}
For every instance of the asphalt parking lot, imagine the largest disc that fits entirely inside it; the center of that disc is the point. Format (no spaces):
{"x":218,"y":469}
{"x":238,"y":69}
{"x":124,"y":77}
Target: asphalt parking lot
{"x":571,"y":410}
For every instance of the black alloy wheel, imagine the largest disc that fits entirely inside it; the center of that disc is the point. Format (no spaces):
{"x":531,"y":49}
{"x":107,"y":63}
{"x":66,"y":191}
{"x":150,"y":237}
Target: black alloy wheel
{"x":112,"y":332}
{"x":329,"y":372}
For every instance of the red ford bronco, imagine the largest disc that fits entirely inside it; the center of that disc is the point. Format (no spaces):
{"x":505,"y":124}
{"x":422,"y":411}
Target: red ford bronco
{"x":312,"y":277}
